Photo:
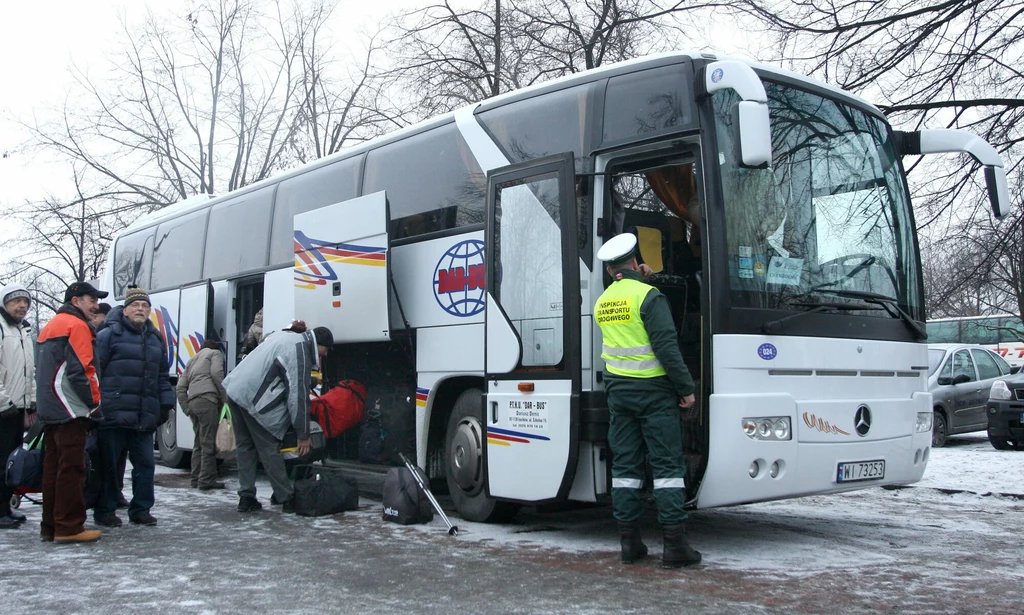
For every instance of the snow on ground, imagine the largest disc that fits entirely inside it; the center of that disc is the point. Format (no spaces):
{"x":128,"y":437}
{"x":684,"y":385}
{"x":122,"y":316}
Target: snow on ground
{"x":949,"y":540}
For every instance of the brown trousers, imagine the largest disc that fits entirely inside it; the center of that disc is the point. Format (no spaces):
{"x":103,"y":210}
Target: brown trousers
{"x":64,"y":478}
{"x":205,"y":416}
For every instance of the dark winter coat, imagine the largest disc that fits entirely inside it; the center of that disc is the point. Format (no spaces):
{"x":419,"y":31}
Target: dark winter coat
{"x":67,"y":386}
{"x":134,"y":383}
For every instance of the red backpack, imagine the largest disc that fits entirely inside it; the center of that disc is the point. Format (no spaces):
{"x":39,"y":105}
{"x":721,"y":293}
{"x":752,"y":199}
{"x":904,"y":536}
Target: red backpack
{"x":340,"y":408}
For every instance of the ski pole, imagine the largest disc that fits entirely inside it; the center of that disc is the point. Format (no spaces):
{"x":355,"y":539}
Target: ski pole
{"x":453,"y":530}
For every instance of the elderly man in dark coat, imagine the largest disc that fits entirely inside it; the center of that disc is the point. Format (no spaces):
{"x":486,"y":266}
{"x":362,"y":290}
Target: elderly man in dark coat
{"x":136,"y":394}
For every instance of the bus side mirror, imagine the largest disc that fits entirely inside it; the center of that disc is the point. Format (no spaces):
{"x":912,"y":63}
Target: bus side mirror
{"x":939,"y":141}
{"x":750,"y":120}
{"x":998,"y":192}
{"x":942,"y":381}
{"x":754,"y":133}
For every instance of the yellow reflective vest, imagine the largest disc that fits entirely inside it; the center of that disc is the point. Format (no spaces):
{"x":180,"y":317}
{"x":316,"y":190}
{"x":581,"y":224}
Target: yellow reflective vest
{"x":627,"y":349}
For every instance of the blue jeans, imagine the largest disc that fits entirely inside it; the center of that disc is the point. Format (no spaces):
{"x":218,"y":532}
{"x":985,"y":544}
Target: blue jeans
{"x":140,"y":453}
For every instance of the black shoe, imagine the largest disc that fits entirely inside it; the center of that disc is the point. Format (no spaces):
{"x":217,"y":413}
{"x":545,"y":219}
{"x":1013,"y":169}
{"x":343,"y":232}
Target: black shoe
{"x":273,"y":500}
{"x":121,"y":502}
{"x":248,"y":504}
{"x":143,"y":519}
{"x":633,"y":547}
{"x":678,"y":552}
{"x":194,"y":485}
{"x":20,"y":518}
{"x":289,"y":506}
{"x":8,"y":522}
{"x":211,"y":486}
{"x":107,"y":520}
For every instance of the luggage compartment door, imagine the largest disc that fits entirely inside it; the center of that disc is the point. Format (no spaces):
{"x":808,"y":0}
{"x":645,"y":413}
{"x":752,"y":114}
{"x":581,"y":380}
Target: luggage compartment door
{"x":195,"y":318}
{"x":532,"y":330}
{"x":342,"y":269}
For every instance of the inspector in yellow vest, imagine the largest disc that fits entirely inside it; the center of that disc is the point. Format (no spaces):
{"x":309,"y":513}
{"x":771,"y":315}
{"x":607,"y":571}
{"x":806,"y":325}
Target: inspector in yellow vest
{"x":627,"y":349}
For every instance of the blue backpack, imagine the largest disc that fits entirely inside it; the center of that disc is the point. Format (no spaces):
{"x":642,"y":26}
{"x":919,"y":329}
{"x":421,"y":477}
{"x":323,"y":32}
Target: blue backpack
{"x":24,"y":470}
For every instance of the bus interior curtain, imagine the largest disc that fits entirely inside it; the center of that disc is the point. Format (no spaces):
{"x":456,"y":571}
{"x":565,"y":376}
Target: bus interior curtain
{"x":677,"y":189}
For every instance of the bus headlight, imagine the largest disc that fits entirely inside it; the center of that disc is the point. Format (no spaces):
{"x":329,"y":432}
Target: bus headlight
{"x":999,"y":390}
{"x":767,"y":428}
{"x":924,"y":422}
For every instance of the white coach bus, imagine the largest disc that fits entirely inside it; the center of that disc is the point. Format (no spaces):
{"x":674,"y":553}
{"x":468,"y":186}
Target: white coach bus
{"x":454,"y":261}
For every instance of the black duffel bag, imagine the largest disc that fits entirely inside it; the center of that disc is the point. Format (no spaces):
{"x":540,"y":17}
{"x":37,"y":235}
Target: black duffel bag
{"x":404,"y":501}
{"x":322,"y":490}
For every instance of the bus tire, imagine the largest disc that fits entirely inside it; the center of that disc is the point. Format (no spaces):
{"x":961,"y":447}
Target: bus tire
{"x":939,"y":429}
{"x":167,"y":442}
{"x":464,"y":463}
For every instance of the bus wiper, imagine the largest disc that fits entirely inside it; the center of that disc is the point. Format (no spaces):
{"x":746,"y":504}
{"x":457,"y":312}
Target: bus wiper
{"x":886,"y":302}
{"x":774,"y":326}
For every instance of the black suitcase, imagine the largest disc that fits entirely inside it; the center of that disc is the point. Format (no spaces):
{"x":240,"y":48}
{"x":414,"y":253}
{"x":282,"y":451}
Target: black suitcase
{"x":321,"y":490}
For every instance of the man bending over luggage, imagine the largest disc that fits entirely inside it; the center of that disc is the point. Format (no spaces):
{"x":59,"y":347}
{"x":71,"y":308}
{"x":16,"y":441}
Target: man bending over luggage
{"x":268,"y":392}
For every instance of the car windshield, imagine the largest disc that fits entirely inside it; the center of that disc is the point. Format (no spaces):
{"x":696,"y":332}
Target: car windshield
{"x":830,"y":213}
{"x":934,"y":359}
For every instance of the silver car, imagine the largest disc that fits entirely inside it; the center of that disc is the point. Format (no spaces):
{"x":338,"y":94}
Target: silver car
{"x":959,"y":378}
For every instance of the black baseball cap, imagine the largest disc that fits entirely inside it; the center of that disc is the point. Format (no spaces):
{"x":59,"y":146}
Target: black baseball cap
{"x":77,"y":289}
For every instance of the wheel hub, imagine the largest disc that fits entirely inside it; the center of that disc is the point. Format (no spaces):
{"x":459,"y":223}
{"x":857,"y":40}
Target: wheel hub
{"x":467,"y":454}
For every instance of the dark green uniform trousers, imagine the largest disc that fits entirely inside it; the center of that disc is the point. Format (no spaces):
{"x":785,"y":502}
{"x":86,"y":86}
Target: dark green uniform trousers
{"x":645,"y":418}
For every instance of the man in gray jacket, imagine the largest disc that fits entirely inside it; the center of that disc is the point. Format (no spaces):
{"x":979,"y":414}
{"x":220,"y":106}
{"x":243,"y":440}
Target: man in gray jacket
{"x":268,"y":392}
{"x":201,"y":394}
{"x":17,"y":386}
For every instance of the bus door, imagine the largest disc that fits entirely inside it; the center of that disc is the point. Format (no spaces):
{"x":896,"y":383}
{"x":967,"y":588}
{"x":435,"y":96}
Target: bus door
{"x":532,"y":324}
{"x":195,"y":321}
{"x":342,"y":269}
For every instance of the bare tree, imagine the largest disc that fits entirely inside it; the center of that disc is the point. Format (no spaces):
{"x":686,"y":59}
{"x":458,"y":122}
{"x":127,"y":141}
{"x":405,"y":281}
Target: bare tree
{"x":450,"y":56}
{"x":212,"y":101}
{"x":62,"y":241}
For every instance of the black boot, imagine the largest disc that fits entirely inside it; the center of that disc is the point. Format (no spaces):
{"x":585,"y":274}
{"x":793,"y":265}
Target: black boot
{"x":678,"y":552}
{"x":633,"y":547}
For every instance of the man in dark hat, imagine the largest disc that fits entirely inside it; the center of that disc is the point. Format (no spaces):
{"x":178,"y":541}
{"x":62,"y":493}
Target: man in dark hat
{"x":137,"y":393}
{"x":646,"y":382}
{"x":68,"y":399}
{"x":268,"y":393}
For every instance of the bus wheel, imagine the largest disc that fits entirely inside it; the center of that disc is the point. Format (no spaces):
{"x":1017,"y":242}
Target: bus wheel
{"x":464,"y":463}
{"x":167,"y":441}
{"x":939,"y":430}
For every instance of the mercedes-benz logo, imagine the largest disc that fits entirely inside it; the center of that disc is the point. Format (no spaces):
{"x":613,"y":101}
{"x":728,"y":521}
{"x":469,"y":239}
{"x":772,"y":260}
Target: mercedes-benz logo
{"x":862,"y":421}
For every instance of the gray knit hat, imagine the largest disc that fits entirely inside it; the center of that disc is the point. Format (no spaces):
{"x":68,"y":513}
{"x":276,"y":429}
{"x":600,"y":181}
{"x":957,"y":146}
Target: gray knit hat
{"x":15,"y":291}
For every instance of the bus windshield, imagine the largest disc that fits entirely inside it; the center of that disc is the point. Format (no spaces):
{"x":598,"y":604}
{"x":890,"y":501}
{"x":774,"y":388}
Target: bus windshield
{"x":830,"y":216}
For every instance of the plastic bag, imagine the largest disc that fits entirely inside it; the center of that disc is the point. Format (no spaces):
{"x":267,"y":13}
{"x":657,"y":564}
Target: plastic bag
{"x":225,"y":435}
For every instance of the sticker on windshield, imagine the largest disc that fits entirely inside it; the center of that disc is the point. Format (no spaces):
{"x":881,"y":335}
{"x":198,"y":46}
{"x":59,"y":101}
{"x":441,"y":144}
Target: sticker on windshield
{"x":783,"y":270}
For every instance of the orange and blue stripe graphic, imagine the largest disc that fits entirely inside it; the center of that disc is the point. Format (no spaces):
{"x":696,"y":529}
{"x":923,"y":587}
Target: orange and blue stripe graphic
{"x":313,"y":258}
{"x":421,"y":397}
{"x":161,"y":318}
{"x":507,"y":437}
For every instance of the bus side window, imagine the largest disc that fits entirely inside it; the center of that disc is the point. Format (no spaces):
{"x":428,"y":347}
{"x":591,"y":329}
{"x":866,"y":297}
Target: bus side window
{"x":426,"y":177}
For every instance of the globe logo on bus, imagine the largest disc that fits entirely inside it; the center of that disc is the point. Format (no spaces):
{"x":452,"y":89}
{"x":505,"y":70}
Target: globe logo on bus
{"x":459,"y":279}
{"x":716,"y":75}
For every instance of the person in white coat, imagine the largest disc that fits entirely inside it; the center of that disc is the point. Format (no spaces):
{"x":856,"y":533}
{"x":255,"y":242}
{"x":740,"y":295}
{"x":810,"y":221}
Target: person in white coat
{"x":17,"y":385}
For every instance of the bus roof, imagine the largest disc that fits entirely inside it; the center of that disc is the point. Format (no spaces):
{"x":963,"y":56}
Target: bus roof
{"x":650,"y":61}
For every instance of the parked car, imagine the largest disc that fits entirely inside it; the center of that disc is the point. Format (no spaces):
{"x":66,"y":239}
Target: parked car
{"x":1006,"y":413}
{"x":960,"y":377}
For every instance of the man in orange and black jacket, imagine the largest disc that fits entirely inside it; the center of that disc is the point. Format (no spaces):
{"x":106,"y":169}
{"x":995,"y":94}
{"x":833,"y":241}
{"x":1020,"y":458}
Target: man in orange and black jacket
{"x":67,"y":400}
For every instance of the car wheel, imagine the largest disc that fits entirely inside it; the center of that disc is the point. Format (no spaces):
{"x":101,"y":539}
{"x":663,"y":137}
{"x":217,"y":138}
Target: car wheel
{"x":939,"y":430}
{"x":1000,"y":444}
{"x":1017,"y":445}
{"x":464,"y":444}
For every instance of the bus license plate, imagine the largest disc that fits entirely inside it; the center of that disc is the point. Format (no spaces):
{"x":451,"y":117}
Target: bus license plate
{"x":860,"y":470}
